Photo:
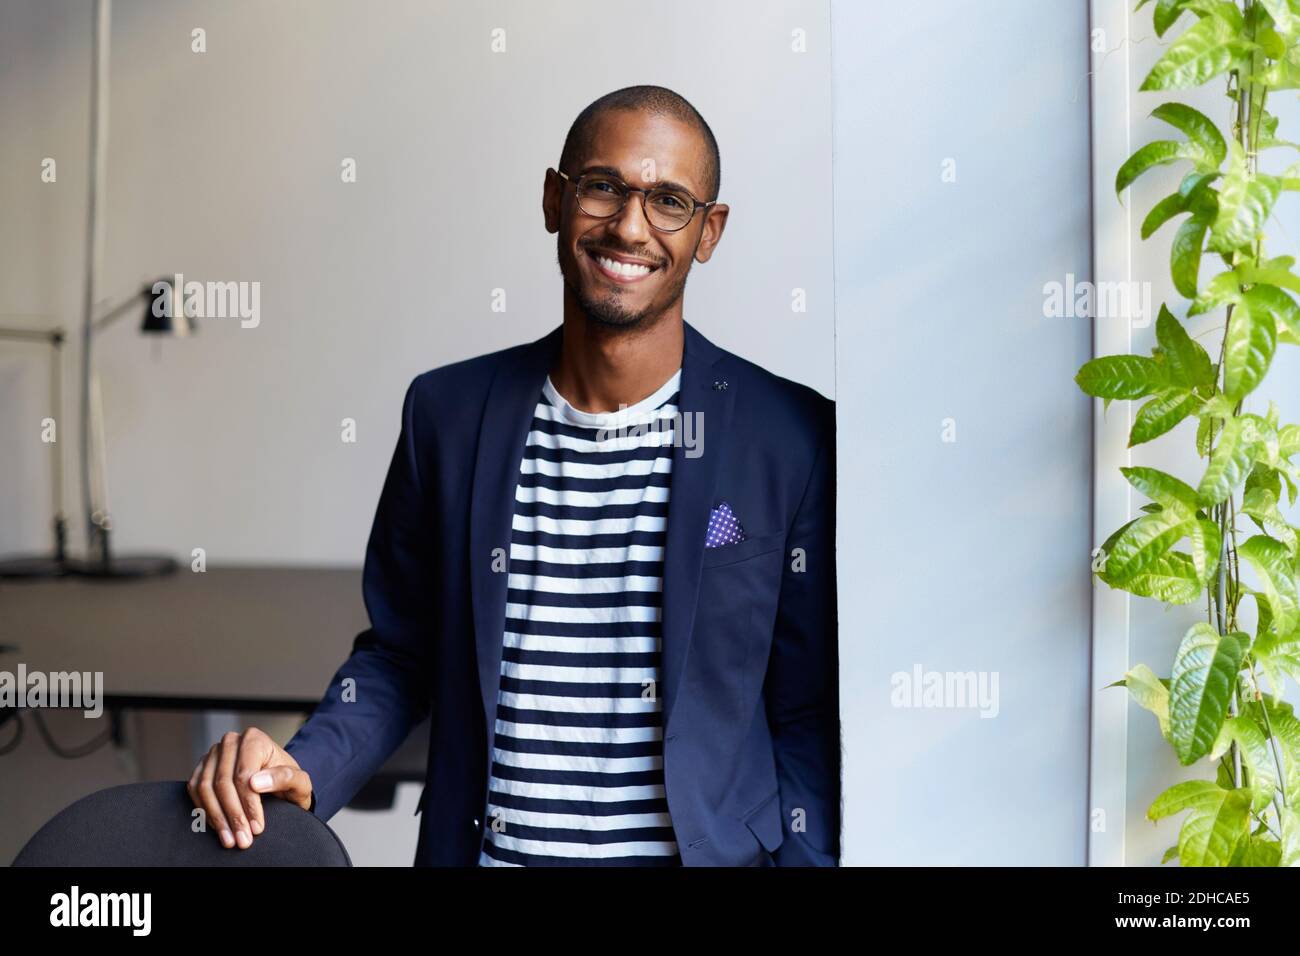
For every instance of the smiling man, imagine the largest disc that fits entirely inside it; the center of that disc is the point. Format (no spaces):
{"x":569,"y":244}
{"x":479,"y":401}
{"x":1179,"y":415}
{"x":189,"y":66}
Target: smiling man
{"x":626,"y":641}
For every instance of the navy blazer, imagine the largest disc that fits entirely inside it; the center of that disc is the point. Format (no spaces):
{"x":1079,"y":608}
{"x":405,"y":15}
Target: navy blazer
{"x":749,"y":666}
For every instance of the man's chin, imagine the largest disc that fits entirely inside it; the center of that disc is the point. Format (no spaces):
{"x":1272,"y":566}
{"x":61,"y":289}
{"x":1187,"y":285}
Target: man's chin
{"x":598,"y":313}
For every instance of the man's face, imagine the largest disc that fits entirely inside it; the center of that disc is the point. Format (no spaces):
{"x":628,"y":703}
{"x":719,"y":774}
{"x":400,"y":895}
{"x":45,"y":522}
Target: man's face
{"x":643,"y":150}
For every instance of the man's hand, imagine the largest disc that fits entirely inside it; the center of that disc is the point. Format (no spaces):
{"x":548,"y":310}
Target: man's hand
{"x":230,"y":779}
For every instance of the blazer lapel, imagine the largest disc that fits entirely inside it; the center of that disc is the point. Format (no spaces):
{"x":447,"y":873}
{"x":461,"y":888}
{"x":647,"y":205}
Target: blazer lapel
{"x":690,"y":499}
{"x":503,"y":432}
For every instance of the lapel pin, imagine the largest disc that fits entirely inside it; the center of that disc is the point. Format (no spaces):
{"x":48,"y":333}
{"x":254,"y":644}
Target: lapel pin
{"x":719,"y":386}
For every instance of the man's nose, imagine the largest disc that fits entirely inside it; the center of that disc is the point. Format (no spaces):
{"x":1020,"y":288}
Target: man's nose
{"x":630,"y":224}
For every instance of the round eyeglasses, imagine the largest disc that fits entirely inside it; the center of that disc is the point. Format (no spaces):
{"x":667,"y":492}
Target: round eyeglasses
{"x":602,"y":195}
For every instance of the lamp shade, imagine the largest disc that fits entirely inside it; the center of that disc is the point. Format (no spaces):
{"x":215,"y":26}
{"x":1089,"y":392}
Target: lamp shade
{"x":164,"y":312}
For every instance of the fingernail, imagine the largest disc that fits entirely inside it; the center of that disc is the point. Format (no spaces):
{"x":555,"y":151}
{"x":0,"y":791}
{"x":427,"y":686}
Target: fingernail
{"x":257,"y":826}
{"x":227,"y":839}
{"x":261,"y":779}
{"x":244,"y":839}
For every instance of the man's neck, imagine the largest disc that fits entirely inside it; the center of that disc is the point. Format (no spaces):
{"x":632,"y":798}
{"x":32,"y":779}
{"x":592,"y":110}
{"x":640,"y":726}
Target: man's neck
{"x":600,"y":370}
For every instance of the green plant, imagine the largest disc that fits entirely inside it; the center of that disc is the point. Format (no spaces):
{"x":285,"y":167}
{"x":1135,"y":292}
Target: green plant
{"x":1213,"y":705}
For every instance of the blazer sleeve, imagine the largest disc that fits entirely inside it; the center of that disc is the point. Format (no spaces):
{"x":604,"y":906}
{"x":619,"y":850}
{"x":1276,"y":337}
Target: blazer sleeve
{"x":801,"y":688}
{"x":382,"y":690}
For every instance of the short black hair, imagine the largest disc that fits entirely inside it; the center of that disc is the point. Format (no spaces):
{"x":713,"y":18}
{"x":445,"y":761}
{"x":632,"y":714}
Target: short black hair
{"x":657,"y":100}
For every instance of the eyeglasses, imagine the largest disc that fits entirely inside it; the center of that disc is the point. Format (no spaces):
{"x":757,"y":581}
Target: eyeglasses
{"x":602,"y":195}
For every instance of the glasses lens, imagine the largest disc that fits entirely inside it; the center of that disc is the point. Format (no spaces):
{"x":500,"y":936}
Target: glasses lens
{"x":669,"y":208}
{"x":600,"y":195}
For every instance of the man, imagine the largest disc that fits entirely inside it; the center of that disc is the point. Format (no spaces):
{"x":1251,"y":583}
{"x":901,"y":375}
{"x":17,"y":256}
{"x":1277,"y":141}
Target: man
{"x":602,"y":563}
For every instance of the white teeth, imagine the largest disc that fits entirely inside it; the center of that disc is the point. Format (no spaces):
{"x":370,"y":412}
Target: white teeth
{"x":623,"y":268}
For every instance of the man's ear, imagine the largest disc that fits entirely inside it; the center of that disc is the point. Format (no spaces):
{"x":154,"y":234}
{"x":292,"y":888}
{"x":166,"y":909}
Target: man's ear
{"x":552,"y":194}
{"x":715,"y":220}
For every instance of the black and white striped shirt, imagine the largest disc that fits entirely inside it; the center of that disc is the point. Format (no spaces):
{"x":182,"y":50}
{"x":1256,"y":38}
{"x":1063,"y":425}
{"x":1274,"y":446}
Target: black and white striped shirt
{"x":577,"y":765}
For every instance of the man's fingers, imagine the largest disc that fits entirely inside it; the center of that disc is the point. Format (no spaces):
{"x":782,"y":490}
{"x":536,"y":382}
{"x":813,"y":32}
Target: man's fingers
{"x":228,"y":794}
{"x":208,"y":798}
{"x":284,"y":781}
{"x":255,"y":751}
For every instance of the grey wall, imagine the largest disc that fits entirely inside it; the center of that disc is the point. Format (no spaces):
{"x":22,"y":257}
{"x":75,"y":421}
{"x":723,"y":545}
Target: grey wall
{"x":226,"y":165}
{"x":965,"y":556}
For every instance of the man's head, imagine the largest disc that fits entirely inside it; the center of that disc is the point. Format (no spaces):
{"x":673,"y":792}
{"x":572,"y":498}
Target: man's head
{"x":647,"y":136}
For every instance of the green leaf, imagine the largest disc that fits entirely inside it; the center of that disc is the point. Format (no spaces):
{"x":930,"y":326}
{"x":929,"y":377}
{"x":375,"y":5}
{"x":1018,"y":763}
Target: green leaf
{"x":1204,"y":674}
{"x":1162,"y":212}
{"x":1263,"y":478}
{"x":1228,"y":463}
{"x":1223,"y":289}
{"x":1279,"y":305}
{"x":1288,"y":440}
{"x":1187,"y":362}
{"x":1166,"y":14}
{"x":1142,"y":544}
{"x":1161,"y":414}
{"x":1224,"y":9}
{"x":1163,"y":488}
{"x":1275,"y":566}
{"x":1120,"y":376}
{"x":1170,"y":578}
{"x":1206,"y":543}
{"x":1257,"y":851}
{"x":1261,"y":505}
{"x":1198,"y":128}
{"x":1150,"y":693}
{"x":1264,"y":436}
{"x":1255,"y":755}
{"x":1245,"y":201}
{"x":1282,"y":17}
{"x":1218,"y":822}
{"x":1158,"y":153}
{"x":1271,"y":272}
{"x":1185,"y":255}
{"x":1290,"y":855}
{"x":1205,"y":433}
{"x":1286,"y":732}
{"x":1199,"y":796}
{"x":1250,"y":343}
{"x":1201,"y":53}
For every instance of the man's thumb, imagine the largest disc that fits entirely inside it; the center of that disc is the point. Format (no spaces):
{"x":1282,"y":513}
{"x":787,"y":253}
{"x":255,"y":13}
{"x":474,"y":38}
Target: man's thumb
{"x":274,"y":779}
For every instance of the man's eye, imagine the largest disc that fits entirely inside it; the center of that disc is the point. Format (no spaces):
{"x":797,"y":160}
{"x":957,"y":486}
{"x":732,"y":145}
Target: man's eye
{"x":602,"y":185}
{"x":671,"y":201}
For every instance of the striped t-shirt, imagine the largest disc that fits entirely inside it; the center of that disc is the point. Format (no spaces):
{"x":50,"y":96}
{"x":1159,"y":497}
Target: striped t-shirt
{"x":577,"y":764}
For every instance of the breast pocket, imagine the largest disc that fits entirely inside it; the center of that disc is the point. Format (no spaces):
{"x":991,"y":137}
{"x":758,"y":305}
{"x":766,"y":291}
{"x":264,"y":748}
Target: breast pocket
{"x":744,"y":550}
{"x":739,"y":588}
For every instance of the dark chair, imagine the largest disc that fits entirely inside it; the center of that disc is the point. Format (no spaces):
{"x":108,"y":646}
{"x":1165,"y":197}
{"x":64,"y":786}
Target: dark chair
{"x":149,"y":824}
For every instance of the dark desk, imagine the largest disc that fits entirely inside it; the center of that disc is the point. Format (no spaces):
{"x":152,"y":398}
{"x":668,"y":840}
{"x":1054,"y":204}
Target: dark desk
{"x":234,"y":639}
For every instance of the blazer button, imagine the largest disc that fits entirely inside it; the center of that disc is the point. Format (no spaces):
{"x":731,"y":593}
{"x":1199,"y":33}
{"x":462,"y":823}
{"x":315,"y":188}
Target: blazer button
{"x":475,"y":824}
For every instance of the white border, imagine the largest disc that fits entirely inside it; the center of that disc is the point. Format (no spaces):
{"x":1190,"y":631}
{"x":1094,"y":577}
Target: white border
{"x":1112,"y":250}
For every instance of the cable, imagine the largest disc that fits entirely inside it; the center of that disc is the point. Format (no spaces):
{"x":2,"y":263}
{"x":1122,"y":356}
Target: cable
{"x":18,"y":735}
{"x":73,"y":753}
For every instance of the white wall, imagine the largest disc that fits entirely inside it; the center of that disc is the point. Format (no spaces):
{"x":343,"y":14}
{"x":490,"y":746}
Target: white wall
{"x":965,"y":556}
{"x":226,"y":165}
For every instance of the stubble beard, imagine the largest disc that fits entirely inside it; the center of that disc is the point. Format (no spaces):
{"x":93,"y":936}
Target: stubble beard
{"x":609,"y":313}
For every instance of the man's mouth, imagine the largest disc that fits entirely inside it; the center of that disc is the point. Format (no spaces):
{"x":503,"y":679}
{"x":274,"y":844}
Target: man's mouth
{"x":618,"y":268}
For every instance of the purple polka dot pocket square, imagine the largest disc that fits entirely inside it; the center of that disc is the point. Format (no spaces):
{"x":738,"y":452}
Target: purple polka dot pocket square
{"x":724,"y":528}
